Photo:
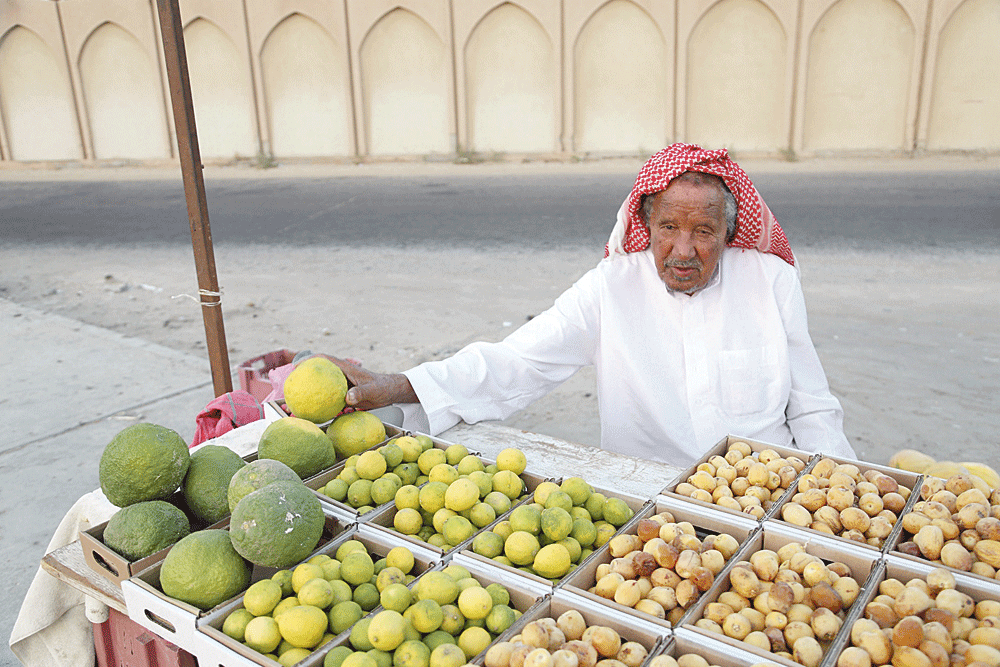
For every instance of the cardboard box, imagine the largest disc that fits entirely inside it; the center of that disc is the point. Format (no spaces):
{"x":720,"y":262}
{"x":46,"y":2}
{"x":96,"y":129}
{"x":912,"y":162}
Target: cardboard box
{"x":719,"y":653}
{"x":706,"y":523}
{"x":385,"y":516}
{"x":862,"y":563}
{"x":177,"y":621}
{"x":629,"y":629}
{"x":252,"y":373}
{"x":916,"y":561}
{"x":636,"y":504}
{"x":317,"y":482}
{"x":220,"y":649}
{"x":895,"y":567}
{"x":902,"y":477}
{"x":720,"y":449}
{"x":523,"y":597}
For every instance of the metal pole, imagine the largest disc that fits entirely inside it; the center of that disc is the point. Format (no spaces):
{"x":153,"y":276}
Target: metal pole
{"x":172,"y":32}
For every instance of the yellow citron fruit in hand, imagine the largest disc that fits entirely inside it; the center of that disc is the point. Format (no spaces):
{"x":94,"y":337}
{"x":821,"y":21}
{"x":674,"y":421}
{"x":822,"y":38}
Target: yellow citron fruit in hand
{"x":316,"y":390}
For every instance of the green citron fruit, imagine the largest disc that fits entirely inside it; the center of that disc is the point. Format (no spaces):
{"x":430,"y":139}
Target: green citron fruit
{"x":316,"y":390}
{"x":278,"y":525}
{"x":299,"y":444}
{"x":206,"y":484}
{"x":355,"y":432}
{"x":204,"y":570}
{"x":144,"y":528}
{"x":255,"y":475}
{"x":143,"y":462}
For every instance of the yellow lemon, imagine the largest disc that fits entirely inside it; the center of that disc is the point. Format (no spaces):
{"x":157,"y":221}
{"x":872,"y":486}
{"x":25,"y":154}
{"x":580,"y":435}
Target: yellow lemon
{"x":411,"y":448}
{"x":371,"y":465}
{"x":303,"y":573}
{"x":396,"y":597}
{"x":235,"y":624}
{"x":400,"y":557}
{"x":356,"y":568}
{"x":317,"y":593}
{"x":543,"y":490}
{"x":407,"y":521}
{"x":508,"y":483}
{"x":444,"y":473}
{"x":469,"y":465}
{"x":284,"y":605}
{"x":386,"y":630}
{"x":521,"y":547}
{"x":407,"y":496}
{"x":475,"y":602}
{"x":262,"y":597}
{"x":432,"y":496}
{"x":303,"y":626}
{"x":457,"y":529}
{"x":461,"y":495}
{"x":430,"y":458}
{"x":344,"y":615}
{"x":263,"y":634}
{"x":473,"y":640}
{"x":512,"y":459}
{"x":616,"y":512}
{"x":412,"y":653}
{"x":355,"y":432}
{"x":447,"y":655}
{"x":552,"y":561}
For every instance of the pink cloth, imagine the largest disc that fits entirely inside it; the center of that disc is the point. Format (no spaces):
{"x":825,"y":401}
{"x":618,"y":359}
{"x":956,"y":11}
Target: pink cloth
{"x":224,"y":413}
{"x":757,"y":227}
{"x":277,"y":377}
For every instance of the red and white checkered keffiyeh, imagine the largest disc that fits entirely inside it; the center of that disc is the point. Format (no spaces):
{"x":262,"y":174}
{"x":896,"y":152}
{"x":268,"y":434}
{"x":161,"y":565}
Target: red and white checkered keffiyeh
{"x":756,"y":227}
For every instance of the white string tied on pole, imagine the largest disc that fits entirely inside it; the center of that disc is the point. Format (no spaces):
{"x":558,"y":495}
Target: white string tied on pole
{"x":203,"y":293}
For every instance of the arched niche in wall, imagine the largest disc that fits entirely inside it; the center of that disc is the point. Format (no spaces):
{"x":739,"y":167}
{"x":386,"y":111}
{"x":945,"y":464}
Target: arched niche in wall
{"x":36,"y":99}
{"x":121,"y":89}
{"x":510,"y":85}
{"x":305,"y":90}
{"x":404,"y":84}
{"x":223,"y":102}
{"x":619,"y":82}
{"x":736,"y":73}
{"x":857,"y":77}
{"x":965,"y":102}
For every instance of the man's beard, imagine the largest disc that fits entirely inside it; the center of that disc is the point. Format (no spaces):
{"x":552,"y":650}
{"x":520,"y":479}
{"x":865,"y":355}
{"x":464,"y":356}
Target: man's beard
{"x":684,"y":264}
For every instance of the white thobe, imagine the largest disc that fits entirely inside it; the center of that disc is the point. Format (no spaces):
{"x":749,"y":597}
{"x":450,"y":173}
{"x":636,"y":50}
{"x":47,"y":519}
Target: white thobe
{"x":675,"y":372}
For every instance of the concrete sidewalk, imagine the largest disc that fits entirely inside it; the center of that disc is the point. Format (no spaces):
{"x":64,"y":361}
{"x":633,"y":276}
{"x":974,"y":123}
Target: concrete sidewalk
{"x":69,"y":388}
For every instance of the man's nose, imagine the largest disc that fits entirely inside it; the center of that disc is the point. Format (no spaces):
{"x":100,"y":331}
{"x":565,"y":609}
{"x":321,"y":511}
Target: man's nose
{"x":683,"y":247}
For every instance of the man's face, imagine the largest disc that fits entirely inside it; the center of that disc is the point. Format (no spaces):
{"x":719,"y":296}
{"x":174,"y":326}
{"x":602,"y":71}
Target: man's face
{"x":687,"y":232}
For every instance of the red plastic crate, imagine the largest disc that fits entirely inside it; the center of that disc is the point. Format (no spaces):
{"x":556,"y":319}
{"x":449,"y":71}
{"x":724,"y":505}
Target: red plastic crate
{"x":253,"y":372}
{"x":121,"y":642}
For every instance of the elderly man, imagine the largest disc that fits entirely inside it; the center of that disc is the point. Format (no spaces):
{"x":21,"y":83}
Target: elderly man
{"x":695,"y":323}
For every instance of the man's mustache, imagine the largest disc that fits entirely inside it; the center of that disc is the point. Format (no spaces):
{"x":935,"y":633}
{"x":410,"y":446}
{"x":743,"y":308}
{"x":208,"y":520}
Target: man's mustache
{"x":682,"y":264}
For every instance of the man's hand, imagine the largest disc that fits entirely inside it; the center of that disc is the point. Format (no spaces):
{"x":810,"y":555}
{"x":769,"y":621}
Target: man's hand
{"x":370,"y":390}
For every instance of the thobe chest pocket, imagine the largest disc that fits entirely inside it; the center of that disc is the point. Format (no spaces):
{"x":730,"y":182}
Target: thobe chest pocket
{"x":748,"y":380}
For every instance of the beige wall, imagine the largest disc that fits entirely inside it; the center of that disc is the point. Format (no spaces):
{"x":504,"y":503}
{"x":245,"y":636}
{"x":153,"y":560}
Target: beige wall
{"x":348,"y":79}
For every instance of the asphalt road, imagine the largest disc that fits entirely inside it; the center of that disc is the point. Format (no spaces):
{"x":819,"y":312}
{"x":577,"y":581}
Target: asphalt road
{"x":863,"y":211}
